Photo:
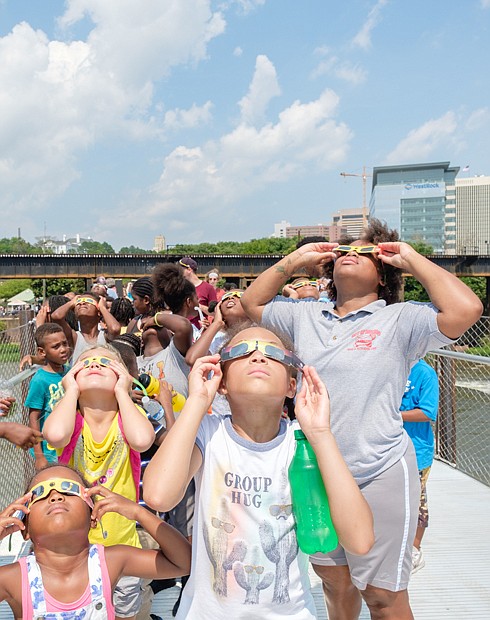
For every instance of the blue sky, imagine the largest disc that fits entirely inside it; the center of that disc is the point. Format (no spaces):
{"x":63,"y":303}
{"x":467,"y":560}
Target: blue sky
{"x":208,"y":121}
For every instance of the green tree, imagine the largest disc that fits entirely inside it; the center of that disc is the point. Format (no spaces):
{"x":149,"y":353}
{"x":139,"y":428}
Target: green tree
{"x":96,"y":247}
{"x":478,"y":285}
{"x":16,"y":245}
{"x":413,"y":290}
{"x":265,"y":245}
{"x":132,"y":249}
{"x":9,"y":288}
{"x":421,"y":247}
{"x":58,"y":286}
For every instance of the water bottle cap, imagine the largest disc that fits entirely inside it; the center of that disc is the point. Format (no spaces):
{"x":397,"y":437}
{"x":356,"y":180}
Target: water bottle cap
{"x":299,"y":434}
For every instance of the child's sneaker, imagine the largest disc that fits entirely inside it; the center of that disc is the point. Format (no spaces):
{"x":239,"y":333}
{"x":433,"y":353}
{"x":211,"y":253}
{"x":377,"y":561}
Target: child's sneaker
{"x":418,"y":561}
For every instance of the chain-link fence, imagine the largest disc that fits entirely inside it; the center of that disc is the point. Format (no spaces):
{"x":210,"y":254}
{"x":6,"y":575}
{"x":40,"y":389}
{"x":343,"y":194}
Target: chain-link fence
{"x":462,"y":429}
{"x":17,"y":466}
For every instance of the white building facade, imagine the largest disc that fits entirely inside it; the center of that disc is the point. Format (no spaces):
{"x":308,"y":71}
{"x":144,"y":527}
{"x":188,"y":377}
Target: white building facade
{"x":473,"y":215}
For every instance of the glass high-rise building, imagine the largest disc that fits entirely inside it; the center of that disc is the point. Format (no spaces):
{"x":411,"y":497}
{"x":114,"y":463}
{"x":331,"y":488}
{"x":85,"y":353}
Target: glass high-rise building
{"x":419,"y":200}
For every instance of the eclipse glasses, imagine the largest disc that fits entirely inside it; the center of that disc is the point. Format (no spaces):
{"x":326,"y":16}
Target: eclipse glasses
{"x":85,"y":300}
{"x":101,"y":361}
{"x":305,"y":283}
{"x":230,"y":294}
{"x":66,"y":487}
{"x":245,"y":347}
{"x":359,"y":249}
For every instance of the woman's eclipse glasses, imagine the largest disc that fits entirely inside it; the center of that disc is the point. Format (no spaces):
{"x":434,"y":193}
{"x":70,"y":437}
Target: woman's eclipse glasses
{"x":359,"y":249}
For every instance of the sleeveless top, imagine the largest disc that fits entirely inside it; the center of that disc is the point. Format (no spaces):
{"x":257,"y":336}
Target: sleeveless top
{"x":94,"y":604}
{"x":82,"y":345}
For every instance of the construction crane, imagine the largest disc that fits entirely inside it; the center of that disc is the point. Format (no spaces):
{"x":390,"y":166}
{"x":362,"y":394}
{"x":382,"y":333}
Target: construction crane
{"x":364,"y":176}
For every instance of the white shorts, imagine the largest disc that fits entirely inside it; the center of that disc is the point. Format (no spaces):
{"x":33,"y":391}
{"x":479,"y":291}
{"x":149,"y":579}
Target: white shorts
{"x":394,"y":498}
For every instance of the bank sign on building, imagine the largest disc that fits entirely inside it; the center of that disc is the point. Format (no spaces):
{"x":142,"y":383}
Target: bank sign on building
{"x":419,"y":201}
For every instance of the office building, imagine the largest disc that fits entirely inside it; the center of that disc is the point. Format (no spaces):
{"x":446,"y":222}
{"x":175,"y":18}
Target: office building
{"x":159,"y":244}
{"x":320,"y":230}
{"x":473,"y":215}
{"x":419,"y":200}
{"x":280,"y":229}
{"x":348,"y":222}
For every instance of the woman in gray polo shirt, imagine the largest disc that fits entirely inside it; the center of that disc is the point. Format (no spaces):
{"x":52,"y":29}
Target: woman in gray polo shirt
{"x":363,"y":346}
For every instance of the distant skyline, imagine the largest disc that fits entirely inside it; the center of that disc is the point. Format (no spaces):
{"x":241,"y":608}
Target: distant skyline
{"x":211,"y":121}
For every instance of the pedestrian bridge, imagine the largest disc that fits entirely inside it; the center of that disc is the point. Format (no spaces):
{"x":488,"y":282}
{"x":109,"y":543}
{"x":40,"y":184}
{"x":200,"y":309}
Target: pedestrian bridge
{"x":454,"y":584}
{"x":455,"y":580}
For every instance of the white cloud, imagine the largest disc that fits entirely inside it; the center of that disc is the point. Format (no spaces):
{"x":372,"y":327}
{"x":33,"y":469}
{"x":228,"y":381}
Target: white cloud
{"x":330,"y":64}
{"x":262,"y":89}
{"x":485,"y":4}
{"x":363,"y":37}
{"x":237,"y":52}
{"x":193,"y":117}
{"x":478,"y":119}
{"x":210,"y":180}
{"x":247,"y":6}
{"x":423,"y":141}
{"x":59,"y":98}
{"x":140,"y":41}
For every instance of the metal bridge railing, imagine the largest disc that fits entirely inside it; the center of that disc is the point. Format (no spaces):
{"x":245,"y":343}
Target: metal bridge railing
{"x":462,"y":428}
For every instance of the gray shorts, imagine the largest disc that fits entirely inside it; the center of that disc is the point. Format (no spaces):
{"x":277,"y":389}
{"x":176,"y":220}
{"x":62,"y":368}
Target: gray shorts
{"x":182,"y":516}
{"x":394,"y":498}
{"x":127,"y":597}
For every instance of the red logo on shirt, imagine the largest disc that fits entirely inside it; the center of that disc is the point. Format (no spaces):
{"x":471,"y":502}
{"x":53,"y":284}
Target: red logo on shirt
{"x":364,"y":340}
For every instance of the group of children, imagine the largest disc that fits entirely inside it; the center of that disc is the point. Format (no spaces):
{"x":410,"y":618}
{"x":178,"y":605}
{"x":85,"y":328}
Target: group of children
{"x":221,"y":480}
{"x":81,"y":508}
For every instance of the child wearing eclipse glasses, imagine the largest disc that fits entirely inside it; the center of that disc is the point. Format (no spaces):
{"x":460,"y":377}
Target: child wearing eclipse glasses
{"x":97,"y":429}
{"x":228,"y":314}
{"x":89,"y":310}
{"x":66,"y":576}
{"x":245,"y":557}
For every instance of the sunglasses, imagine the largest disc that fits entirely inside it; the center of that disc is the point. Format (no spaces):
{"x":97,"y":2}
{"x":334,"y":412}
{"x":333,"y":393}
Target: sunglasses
{"x":360,"y":249}
{"x":250,"y":568}
{"x":305,"y":283}
{"x":184,"y":264}
{"x":231,"y":294}
{"x":278,"y":509}
{"x":218,"y":524}
{"x":101,"y":361}
{"x":245,"y":347}
{"x":86,"y":300}
{"x":66,"y":487}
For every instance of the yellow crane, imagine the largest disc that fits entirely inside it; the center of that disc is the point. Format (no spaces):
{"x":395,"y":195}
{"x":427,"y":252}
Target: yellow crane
{"x":364,"y":177}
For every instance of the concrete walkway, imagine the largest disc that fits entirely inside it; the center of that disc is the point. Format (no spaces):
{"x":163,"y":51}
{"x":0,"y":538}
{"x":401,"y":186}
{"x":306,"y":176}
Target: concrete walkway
{"x":455,"y":582}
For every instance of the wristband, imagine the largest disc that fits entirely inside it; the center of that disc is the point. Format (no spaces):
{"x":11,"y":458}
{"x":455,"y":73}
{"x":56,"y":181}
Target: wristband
{"x":155,"y":320}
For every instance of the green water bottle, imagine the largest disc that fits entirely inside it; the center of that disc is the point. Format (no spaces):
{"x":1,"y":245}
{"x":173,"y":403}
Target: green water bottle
{"x":314,"y":528}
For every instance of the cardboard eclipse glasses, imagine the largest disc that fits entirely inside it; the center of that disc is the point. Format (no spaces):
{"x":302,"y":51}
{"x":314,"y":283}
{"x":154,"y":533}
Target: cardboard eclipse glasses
{"x":63,"y":486}
{"x":359,"y":249}
{"x":246,"y":347}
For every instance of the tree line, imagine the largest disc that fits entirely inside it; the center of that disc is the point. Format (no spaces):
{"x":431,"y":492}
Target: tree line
{"x":265,"y":245}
